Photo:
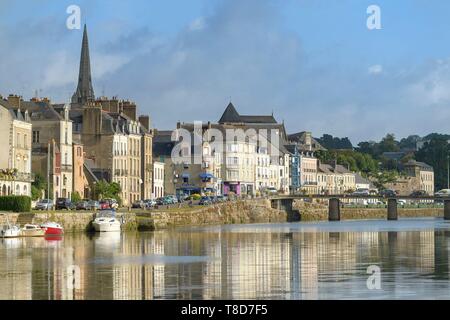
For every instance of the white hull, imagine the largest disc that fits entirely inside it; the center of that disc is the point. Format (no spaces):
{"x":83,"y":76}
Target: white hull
{"x":106,"y":226}
{"x":12,"y":232}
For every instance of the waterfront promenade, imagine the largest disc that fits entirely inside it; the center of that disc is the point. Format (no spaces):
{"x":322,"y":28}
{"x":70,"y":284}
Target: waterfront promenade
{"x":232,"y":212}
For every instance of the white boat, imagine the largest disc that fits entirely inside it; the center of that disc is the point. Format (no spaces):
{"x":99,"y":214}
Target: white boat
{"x":9,"y":230}
{"x":32,"y":230}
{"x":106,"y":222}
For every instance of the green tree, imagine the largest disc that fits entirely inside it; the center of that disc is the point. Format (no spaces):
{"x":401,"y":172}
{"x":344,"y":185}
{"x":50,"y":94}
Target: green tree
{"x":75,"y":197}
{"x":104,"y":190}
{"x":38,"y":185}
{"x":435,"y":153}
{"x":388,"y":144}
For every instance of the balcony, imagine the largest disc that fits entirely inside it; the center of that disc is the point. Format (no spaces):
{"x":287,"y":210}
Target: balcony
{"x":66,"y":167}
{"x":17,"y":176}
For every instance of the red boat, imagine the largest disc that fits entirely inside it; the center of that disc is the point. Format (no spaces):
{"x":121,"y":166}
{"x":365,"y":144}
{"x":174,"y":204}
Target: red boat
{"x":52,"y":228}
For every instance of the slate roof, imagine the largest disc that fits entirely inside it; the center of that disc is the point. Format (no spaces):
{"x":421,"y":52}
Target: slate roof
{"x":230,"y":115}
{"x":300,"y":138}
{"x":39,"y":110}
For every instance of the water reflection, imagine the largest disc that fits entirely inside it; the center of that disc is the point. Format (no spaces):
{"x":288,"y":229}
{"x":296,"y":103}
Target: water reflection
{"x":282,"y":261}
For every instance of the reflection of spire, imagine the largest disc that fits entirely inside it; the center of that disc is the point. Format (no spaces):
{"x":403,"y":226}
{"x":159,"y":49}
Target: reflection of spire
{"x":84,"y":92}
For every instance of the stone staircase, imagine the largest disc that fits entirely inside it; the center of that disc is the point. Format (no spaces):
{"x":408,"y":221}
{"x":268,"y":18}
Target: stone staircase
{"x":25,"y":218}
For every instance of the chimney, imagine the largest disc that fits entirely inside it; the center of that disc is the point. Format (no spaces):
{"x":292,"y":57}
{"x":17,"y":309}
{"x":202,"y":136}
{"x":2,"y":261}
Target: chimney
{"x":14,"y":100}
{"x":145,"y":122}
{"x":92,"y":120}
{"x":114,"y":105}
{"x":129,"y":109}
{"x":46,"y":100}
{"x":308,"y":140}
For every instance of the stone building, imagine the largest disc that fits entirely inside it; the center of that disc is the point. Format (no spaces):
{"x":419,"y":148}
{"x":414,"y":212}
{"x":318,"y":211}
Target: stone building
{"x":334,"y":178}
{"x":80,"y":182}
{"x":117,"y":143}
{"x":15,"y":160}
{"x":51,"y":126}
{"x":158,"y":180}
{"x":415,"y":176}
{"x":229,"y":167}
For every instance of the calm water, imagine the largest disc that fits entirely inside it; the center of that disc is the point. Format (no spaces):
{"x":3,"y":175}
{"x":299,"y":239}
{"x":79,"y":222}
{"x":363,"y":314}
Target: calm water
{"x":267,"y":261}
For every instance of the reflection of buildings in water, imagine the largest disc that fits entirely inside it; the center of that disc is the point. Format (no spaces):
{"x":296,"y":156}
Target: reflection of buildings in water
{"x":256,"y":265}
{"x":305,"y":266}
{"x":212,"y":271}
{"x":15,"y":270}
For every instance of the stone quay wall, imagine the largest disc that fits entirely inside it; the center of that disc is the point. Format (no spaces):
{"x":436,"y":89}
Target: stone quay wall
{"x":236,"y":212}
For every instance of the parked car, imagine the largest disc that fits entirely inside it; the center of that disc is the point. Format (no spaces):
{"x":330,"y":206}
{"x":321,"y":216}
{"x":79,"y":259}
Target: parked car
{"x":93,"y":205}
{"x":205,"y":201}
{"x":270,"y":190}
{"x":221,"y":199}
{"x":163,"y":201}
{"x":419,"y":193}
{"x":44,"y":204}
{"x":112,"y":203}
{"x":173,"y":198}
{"x":64,"y":204}
{"x":386,"y":193}
{"x":361,"y":192}
{"x":82,"y":205}
{"x":443,"y":193}
{"x":148,"y":203}
{"x":401,"y":202}
{"x":169,"y":200}
{"x":138,"y":204}
{"x":104,"y":205}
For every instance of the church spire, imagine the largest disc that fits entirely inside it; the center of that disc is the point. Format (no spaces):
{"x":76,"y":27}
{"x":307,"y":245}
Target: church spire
{"x":84,"y":92}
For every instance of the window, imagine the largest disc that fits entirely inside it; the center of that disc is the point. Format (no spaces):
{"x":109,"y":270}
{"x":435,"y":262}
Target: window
{"x":25,"y":141}
{"x":35,"y":136}
{"x":18,"y":140}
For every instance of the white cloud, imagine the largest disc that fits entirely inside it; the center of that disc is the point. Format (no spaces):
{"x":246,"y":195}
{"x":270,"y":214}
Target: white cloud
{"x":197,"y":24}
{"x":376,"y":69}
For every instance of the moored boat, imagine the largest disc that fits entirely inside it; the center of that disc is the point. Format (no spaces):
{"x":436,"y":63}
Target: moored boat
{"x":8,"y":230}
{"x":106,"y":222}
{"x":52,"y":228}
{"x":32,"y":230}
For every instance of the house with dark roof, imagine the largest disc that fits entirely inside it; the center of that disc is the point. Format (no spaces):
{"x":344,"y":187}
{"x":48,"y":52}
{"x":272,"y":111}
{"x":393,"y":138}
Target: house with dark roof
{"x":51,"y":127}
{"x":117,"y":142}
{"x":251,"y":156}
{"x":15,"y":159}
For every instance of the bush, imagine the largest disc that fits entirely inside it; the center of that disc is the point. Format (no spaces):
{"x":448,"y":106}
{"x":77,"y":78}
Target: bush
{"x":36,"y":194}
{"x":15,"y":203}
{"x":75,"y":197}
{"x":195,"y":196}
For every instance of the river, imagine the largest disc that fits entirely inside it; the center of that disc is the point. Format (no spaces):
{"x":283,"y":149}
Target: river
{"x":320,"y":260}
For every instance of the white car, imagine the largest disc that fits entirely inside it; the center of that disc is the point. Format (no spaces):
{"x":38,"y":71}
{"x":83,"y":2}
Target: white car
{"x":443,"y":193}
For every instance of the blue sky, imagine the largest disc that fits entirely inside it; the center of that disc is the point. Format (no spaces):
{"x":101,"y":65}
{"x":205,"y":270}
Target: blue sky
{"x":313,"y":63}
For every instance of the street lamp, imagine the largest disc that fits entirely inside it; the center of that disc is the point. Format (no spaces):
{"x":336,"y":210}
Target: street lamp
{"x":448,"y":171}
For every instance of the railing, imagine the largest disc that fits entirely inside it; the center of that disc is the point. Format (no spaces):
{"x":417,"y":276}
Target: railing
{"x":19,"y":176}
{"x":66,"y":167}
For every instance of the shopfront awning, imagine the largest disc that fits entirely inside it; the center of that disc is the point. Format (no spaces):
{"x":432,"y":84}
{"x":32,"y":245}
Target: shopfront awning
{"x":206,"y":176}
{"x":185,"y":175}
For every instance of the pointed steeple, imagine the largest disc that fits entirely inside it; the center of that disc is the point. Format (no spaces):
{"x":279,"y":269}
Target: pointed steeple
{"x":84,"y":92}
{"x":230,"y":115}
